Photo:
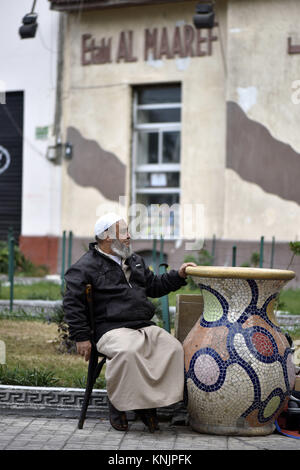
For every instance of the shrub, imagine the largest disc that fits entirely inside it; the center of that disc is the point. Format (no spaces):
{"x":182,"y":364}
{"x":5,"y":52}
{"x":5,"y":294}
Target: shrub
{"x":22,"y":264}
{"x":27,"y":377}
{"x":80,"y":382}
{"x":295,"y":249}
{"x":254,"y":260}
{"x":65,"y":344}
{"x":204,"y":258}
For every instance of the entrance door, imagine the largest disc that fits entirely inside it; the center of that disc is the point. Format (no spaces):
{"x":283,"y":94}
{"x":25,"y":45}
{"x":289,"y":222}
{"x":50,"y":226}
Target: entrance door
{"x":11,"y":130}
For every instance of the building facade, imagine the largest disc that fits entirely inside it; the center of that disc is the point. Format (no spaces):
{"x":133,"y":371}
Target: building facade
{"x":159,"y":112}
{"x":30,"y":185}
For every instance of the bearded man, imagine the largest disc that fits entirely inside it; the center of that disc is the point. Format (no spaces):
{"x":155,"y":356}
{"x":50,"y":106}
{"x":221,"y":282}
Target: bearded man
{"x":145,"y":364}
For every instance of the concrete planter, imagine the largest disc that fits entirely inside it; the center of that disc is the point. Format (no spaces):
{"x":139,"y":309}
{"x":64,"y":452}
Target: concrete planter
{"x":238,"y":363}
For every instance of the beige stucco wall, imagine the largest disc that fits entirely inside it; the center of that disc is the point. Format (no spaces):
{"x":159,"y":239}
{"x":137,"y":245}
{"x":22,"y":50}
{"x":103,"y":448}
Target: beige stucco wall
{"x":97,"y":102}
{"x":260,"y":78}
{"x":250,"y":67}
{"x":250,"y":212}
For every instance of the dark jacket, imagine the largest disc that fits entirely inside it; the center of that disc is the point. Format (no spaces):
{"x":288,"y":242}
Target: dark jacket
{"x":117,"y":302}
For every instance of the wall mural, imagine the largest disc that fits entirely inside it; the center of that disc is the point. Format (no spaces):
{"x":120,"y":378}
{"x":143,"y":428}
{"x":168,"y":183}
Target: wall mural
{"x":260,"y":158}
{"x":93,"y":166}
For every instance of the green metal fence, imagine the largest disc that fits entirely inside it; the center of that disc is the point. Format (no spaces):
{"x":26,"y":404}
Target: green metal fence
{"x":63,"y":257}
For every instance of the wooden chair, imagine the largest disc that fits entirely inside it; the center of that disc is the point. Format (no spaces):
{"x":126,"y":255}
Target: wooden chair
{"x":95,"y":362}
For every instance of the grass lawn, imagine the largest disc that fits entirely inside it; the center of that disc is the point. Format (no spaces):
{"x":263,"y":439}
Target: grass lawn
{"x":31,"y":345}
{"x":43,"y":290}
{"x":290,"y":301}
{"x":32,"y":356}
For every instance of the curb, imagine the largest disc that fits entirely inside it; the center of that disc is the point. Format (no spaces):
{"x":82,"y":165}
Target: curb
{"x":56,"y":401}
{"x":67,"y":402}
{"x":31,"y":307}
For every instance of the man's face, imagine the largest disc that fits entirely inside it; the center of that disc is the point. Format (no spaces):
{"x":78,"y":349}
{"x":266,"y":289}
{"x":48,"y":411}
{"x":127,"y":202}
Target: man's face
{"x":122,"y":233}
{"x":120,"y":244}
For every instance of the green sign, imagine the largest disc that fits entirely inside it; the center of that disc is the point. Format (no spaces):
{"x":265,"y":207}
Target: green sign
{"x":41,"y":133}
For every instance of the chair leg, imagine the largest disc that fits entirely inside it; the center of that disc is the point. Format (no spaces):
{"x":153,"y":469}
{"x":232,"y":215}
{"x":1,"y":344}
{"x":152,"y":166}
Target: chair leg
{"x":89,"y":387}
{"x":98,"y":369}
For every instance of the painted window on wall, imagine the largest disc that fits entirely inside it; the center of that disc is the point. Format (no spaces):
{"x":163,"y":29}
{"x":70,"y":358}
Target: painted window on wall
{"x":156,"y":158}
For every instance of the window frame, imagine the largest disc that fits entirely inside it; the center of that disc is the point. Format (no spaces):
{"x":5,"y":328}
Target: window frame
{"x":159,"y":167}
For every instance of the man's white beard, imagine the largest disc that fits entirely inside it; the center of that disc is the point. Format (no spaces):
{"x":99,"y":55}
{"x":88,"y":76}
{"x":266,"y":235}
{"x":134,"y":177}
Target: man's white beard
{"x":120,"y":249}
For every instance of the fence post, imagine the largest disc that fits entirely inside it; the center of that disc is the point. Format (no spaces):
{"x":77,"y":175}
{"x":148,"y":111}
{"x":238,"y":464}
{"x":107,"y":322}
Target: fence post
{"x":11,"y":269}
{"x":272,"y":252}
{"x":165,"y":299}
{"x":70,"y":248}
{"x":234,"y":255}
{"x":63,"y":262}
{"x":261,"y":254}
{"x":154,"y":262}
{"x":213,"y":250}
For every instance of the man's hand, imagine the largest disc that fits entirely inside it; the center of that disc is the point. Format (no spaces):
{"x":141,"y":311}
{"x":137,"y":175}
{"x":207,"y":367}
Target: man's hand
{"x":84,"y":349}
{"x":181,"y":270}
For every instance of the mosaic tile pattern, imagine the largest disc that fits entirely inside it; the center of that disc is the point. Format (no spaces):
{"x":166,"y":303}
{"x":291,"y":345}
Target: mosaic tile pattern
{"x":238,"y":364}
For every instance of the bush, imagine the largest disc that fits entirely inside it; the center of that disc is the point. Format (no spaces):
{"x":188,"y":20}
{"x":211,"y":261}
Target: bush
{"x":253,"y":262}
{"x":295,"y":249}
{"x":27,"y":377}
{"x":204,"y":258}
{"x":65,"y":344}
{"x":255,"y":258}
{"x":22,"y":264}
{"x":80,"y":382}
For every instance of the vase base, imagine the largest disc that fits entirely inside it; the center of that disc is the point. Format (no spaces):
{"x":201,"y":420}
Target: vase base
{"x":231,"y":430}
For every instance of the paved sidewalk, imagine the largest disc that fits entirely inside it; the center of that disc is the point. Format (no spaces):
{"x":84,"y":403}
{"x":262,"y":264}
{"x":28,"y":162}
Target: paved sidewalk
{"x":19,"y":432}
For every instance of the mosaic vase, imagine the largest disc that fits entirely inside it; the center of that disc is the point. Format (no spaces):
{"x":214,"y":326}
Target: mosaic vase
{"x":238,"y":364}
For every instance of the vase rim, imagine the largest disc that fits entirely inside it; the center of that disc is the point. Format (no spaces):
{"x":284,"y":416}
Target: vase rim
{"x":231,"y":272}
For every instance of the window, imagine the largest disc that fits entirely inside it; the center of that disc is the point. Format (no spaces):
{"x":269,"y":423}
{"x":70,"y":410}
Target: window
{"x":156,"y":156}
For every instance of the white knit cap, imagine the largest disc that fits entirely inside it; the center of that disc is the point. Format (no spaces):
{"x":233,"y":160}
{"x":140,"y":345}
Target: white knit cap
{"x":106,"y":221}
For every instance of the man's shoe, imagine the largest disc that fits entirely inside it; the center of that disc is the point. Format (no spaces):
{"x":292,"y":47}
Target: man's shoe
{"x":154,"y":414}
{"x":149,"y":418}
{"x":117,"y":418}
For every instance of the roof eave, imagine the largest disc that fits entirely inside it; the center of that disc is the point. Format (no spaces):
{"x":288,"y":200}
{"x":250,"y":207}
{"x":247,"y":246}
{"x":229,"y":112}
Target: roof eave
{"x":67,"y":6}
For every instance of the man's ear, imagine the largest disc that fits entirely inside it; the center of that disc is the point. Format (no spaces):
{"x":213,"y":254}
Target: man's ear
{"x":103,"y":236}
{"x":113,"y":232}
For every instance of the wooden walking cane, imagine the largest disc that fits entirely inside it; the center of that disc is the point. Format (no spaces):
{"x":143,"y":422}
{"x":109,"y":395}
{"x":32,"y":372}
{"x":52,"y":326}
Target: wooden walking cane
{"x":94,"y":367}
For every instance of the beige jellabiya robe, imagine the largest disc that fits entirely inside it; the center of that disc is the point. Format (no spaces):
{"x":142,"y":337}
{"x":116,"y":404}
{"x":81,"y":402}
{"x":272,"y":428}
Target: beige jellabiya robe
{"x":144,"y":367}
